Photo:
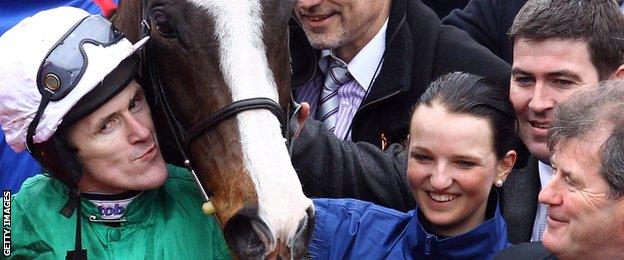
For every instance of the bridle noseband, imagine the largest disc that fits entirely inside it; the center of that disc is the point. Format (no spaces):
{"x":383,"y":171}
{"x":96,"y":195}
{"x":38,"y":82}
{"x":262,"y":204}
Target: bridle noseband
{"x":184,"y":138}
{"x":230,"y":110}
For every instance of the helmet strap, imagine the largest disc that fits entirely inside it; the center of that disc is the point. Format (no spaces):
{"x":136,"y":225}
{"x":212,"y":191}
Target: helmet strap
{"x":73,"y":203}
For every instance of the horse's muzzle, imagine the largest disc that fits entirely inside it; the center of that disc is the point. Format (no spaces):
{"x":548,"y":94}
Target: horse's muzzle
{"x":250,"y":238}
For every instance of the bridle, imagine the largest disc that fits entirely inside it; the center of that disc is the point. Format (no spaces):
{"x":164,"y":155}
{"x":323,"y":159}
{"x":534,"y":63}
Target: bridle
{"x":183,"y":137}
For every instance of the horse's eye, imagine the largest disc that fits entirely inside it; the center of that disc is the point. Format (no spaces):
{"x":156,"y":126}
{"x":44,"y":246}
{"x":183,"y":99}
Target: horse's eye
{"x":162,"y":25}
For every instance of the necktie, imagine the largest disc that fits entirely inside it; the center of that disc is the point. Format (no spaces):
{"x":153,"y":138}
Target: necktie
{"x":336,"y":76}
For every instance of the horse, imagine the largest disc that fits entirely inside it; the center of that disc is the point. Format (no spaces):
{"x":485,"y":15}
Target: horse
{"x":209,"y":55}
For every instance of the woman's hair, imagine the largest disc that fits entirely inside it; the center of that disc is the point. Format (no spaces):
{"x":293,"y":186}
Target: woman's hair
{"x":465,"y":93}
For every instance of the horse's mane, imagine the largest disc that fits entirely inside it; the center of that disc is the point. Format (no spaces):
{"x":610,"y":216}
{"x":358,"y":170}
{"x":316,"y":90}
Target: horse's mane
{"x":126,"y":17}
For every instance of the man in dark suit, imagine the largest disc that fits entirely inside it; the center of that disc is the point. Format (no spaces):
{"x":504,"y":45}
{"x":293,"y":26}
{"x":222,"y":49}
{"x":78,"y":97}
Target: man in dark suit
{"x":559,"y":47}
{"x":584,"y":197}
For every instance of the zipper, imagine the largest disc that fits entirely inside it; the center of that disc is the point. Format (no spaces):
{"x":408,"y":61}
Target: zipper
{"x":377,"y":100}
{"x":370,"y":104}
{"x":428,"y":244}
{"x":94,"y":218}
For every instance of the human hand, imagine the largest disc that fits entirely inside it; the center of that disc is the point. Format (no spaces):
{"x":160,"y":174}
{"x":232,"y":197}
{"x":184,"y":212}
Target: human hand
{"x":304,"y":113}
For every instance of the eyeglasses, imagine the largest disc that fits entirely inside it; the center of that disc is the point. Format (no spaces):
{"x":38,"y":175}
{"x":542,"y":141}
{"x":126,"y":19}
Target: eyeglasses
{"x":65,"y":64}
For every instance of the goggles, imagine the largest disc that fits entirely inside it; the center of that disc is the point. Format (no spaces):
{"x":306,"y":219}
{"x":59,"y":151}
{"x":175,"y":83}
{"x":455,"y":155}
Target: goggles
{"x":65,"y":64}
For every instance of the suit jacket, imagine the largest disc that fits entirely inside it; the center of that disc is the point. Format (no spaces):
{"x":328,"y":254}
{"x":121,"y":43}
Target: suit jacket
{"x":519,"y":194}
{"x":487,"y":22}
{"x":419,"y":49}
{"x":444,"y":7}
{"x":526,"y":251}
{"x":332,"y":168}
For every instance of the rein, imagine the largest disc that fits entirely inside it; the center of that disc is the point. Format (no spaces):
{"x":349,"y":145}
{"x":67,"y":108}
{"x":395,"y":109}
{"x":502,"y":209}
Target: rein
{"x":184,"y":138}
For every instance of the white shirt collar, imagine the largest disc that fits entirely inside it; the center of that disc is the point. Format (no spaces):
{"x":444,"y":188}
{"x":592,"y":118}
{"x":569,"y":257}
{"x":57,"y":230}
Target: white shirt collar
{"x":545,"y":173}
{"x":364,"y":65}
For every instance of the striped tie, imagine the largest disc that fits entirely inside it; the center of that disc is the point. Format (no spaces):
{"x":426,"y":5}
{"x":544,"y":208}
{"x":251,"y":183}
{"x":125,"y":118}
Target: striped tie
{"x":337,"y":75}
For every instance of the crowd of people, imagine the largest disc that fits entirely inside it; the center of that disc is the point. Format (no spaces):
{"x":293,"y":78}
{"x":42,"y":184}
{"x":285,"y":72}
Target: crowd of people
{"x":495,"y":131}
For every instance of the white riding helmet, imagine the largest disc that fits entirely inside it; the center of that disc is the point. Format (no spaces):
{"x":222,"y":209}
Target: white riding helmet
{"x":49,"y":62}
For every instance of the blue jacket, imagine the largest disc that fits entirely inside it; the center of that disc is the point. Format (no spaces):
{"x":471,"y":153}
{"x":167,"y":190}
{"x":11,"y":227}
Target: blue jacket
{"x":354,"y":229}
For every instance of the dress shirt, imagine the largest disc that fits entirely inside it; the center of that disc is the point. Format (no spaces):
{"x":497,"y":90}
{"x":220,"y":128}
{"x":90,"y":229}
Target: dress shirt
{"x":364,"y":67}
{"x":546,"y":174}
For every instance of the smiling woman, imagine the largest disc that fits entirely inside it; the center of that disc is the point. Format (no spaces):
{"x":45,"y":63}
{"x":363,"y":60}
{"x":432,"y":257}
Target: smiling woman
{"x":460,"y":147}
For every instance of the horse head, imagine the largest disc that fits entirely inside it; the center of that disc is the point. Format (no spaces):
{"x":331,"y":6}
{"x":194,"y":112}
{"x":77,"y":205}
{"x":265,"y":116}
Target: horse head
{"x":212,"y":53}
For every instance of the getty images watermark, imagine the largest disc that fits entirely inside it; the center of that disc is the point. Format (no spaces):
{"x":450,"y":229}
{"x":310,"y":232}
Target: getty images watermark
{"x":6,"y":223}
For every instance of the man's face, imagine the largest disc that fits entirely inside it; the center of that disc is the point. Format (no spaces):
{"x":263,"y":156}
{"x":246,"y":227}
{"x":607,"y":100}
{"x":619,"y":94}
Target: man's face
{"x":581,"y":219}
{"x":117,"y":145}
{"x":544,"y":74}
{"x":341,"y":24}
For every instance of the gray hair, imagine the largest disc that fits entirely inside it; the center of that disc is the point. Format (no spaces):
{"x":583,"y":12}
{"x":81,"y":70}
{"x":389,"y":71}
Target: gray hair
{"x":583,"y":114}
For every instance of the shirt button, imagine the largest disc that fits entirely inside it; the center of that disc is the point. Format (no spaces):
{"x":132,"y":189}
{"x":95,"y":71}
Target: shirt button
{"x":114,"y":235}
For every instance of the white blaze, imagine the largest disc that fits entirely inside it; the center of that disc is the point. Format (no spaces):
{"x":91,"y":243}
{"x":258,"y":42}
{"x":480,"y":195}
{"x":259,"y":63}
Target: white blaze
{"x":238,"y":29}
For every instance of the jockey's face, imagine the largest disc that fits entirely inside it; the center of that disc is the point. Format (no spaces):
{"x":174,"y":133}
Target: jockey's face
{"x":117,"y":146}
{"x":344,"y":26}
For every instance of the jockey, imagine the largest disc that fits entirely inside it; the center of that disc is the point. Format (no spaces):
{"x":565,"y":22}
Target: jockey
{"x":20,"y":166}
{"x":69,"y":96}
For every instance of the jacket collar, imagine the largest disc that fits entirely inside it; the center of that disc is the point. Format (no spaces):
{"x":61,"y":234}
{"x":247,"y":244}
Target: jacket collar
{"x":489,"y":237}
{"x":520,"y":194}
{"x":138,"y":211}
{"x":415,"y":29}
{"x":395,"y":73}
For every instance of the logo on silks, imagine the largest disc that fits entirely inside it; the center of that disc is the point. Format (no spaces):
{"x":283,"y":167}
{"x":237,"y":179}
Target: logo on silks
{"x":111,"y":210}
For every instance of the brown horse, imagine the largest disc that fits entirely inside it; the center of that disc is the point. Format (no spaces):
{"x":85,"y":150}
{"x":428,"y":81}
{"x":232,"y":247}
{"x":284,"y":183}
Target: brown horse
{"x":208,"y":55}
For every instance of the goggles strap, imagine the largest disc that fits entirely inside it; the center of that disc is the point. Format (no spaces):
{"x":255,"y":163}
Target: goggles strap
{"x":78,"y":253}
{"x":32,"y":127}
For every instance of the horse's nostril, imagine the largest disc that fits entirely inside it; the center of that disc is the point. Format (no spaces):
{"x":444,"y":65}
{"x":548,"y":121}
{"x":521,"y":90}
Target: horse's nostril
{"x":306,"y":221}
{"x":304,"y":234}
{"x":247,"y":234}
{"x":255,"y":247}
